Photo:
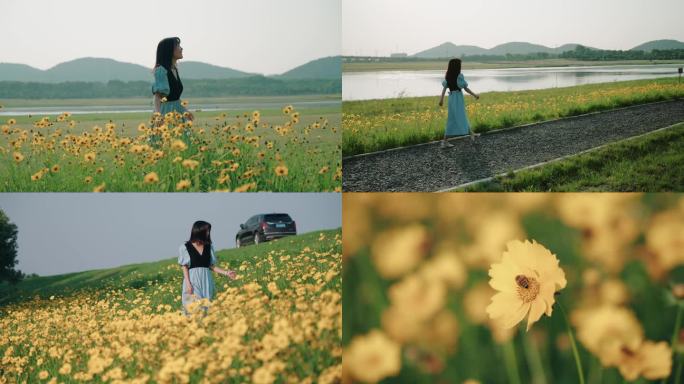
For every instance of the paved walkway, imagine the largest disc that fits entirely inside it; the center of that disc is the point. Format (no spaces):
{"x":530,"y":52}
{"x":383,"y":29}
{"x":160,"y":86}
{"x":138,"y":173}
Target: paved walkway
{"x":427,"y":167}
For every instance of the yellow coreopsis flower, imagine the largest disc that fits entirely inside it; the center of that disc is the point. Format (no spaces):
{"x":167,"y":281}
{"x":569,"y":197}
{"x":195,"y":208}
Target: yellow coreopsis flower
{"x":18,"y":157}
{"x":99,"y":188}
{"x":373,"y":357}
{"x":37,"y":176}
{"x":151,"y":178}
{"x":179,"y":145}
{"x":189,"y":163}
{"x":281,"y":170}
{"x":651,"y":360}
{"x":526,"y":280}
{"x":183,"y":184}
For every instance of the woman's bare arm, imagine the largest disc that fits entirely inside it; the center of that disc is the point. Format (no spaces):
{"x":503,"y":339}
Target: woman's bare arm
{"x":441,"y":99}
{"x":472,"y":93}
{"x":186,"y":274}
{"x":225,"y":272}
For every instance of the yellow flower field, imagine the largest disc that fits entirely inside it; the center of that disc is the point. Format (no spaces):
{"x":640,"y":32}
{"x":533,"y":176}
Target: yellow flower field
{"x":280,"y":321}
{"x":226,"y":153}
{"x":380,"y":124}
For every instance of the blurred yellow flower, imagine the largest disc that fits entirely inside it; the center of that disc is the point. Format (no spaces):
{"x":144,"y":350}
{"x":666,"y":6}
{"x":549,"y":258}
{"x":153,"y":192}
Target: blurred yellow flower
{"x":88,"y":179}
{"x":606,"y":330}
{"x":281,"y":170}
{"x":18,"y":157}
{"x":397,"y":251}
{"x":55,"y":168}
{"x":11,"y":121}
{"x":179,"y":145}
{"x":151,"y":178}
{"x":372,"y":357}
{"x":189,"y":163}
{"x":526,"y":280}
{"x":417,"y":296}
{"x":43,"y":375}
{"x":99,"y":188}
{"x":37,"y":176}
{"x":90,"y":156}
{"x":446,"y":267}
{"x":183,"y":184}
{"x":65,"y":369}
{"x":651,"y":360}
{"x":665,"y":241}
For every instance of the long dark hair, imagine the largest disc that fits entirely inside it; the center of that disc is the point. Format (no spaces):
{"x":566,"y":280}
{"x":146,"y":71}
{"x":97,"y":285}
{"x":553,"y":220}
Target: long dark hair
{"x":165,"y":50}
{"x":200,"y":232}
{"x":452,"y":73}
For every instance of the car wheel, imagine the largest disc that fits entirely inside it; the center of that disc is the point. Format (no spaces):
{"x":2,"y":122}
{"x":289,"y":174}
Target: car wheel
{"x":237,"y":243}
{"x":258,"y":238}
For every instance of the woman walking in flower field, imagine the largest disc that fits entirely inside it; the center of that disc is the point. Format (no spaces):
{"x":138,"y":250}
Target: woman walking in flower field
{"x":167,"y":87}
{"x":198,"y":260}
{"x":457,"y":122}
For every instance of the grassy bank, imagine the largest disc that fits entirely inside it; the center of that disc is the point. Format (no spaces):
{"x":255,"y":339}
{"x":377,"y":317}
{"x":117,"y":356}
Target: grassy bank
{"x":648,"y":163}
{"x":381,"y":124}
{"x":281,"y":319}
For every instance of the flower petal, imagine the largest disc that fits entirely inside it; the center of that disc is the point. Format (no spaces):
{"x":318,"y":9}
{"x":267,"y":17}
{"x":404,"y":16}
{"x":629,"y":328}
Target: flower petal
{"x":503,"y":303}
{"x":512,"y":319}
{"x":536,"y":310}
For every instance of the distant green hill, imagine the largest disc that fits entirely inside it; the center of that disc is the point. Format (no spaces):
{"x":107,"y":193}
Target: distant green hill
{"x":146,"y":275}
{"x":324,"y":68}
{"x":89,"y":69}
{"x":518,"y":48}
{"x":514,"y":48}
{"x":659,"y":44}
{"x":20,"y":72}
{"x":450,"y":50}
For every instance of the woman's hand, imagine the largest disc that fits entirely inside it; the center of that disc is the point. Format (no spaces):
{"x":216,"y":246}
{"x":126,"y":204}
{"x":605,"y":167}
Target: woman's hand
{"x":188,"y":288}
{"x":231,"y":274}
{"x":477,"y":97}
{"x":441,"y":102}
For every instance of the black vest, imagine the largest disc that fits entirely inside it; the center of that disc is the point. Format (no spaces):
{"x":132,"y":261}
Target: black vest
{"x":197,"y":260}
{"x":175,"y":86}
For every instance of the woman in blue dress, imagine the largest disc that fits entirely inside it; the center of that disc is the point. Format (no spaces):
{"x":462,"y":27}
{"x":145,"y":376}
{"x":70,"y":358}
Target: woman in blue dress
{"x":457,"y":121}
{"x":167,"y":87}
{"x":198,"y":261}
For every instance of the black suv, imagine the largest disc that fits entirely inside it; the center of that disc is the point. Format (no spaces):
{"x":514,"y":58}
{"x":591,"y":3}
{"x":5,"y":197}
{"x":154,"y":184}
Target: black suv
{"x":264,"y":227}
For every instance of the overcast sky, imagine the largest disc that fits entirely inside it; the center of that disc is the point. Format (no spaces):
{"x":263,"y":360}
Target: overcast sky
{"x":71,"y":232}
{"x":263,"y":36}
{"x":380,"y":27}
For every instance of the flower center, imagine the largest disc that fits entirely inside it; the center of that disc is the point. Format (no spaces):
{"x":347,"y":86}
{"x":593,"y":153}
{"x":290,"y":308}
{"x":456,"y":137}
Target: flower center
{"x":528,"y":288}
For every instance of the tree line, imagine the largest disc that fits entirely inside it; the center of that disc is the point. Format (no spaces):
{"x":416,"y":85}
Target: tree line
{"x":583,"y":53}
{"x":248,"y":86}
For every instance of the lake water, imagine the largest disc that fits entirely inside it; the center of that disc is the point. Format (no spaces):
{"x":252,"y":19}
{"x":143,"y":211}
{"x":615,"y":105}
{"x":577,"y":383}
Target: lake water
{"x":233,"y":106}
{"x":390,"y":84}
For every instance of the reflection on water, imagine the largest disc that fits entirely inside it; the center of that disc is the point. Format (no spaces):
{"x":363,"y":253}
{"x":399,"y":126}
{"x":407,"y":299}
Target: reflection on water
{"x":388,"y":84}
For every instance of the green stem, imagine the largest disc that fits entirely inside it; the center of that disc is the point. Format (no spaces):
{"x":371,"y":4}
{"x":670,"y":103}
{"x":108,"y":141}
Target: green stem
{"x":511,"y":362}
{"x":575,"y":352}
{"x":534,"y":358}
{"x":675,"y":335}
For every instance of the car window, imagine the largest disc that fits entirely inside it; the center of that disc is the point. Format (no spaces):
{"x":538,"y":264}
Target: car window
{"x":277,"y":218}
